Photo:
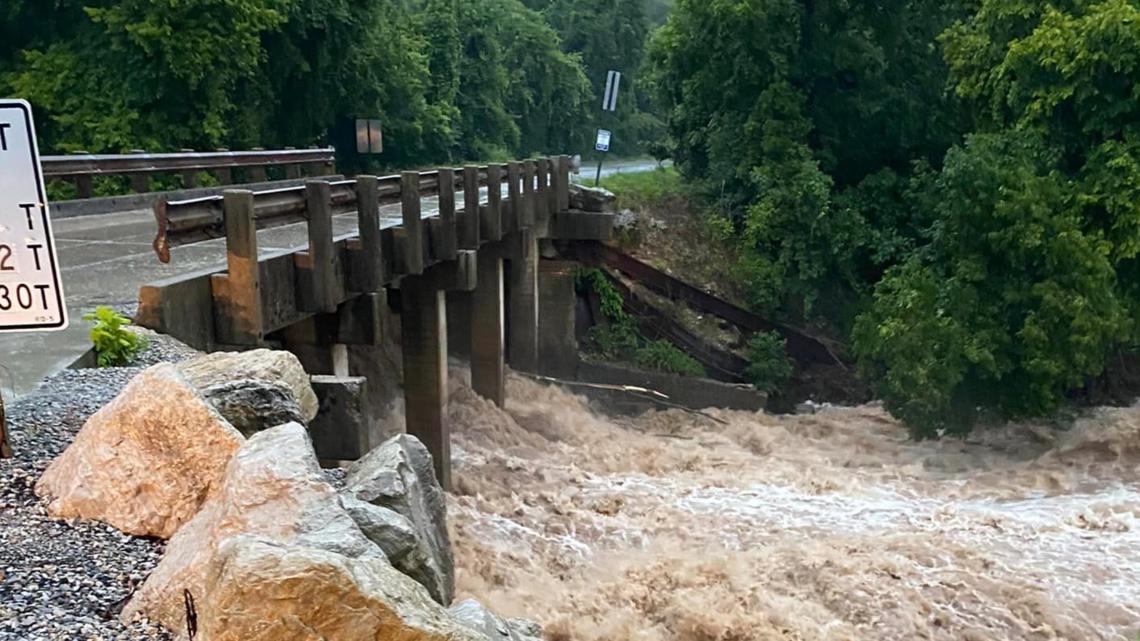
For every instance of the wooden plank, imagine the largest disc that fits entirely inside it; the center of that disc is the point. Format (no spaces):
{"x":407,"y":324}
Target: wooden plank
{"x":469,"y":221}
{"x":278,"y":290}
{"x":413,"y":223}
{"x":181,"y":307}
{"x":449,"y":241}
{"x":487,"y":329}
{"x":367,"y":268}
{"x":237,"y":295}
{"x":322,"y":263}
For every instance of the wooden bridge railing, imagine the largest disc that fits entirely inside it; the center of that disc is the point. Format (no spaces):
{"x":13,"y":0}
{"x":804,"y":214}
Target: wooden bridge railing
{"x":141,"y":166}
{"x":261,"y":293}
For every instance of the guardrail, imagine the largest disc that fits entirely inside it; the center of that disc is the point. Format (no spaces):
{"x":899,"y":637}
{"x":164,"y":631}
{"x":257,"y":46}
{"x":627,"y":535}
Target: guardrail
{"x":141,"y":166}
{"x":183,"y":222}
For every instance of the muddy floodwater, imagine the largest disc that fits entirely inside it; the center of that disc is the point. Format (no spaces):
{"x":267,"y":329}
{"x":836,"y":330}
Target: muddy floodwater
{"x":835,"y":526}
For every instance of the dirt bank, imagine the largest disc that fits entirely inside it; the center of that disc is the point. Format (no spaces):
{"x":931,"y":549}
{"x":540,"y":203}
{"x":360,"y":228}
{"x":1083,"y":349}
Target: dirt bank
{"x":834,"y":526}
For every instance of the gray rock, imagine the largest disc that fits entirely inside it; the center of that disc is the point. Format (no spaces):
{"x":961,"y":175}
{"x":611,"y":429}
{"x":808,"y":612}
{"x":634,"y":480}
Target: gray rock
{"x":399,"y":476}
{"x":474,"y":616}
{"x":265,"y":364}
{"x":398,"y":538}
{"x":591,"y":199}
{"x":253,"y":405}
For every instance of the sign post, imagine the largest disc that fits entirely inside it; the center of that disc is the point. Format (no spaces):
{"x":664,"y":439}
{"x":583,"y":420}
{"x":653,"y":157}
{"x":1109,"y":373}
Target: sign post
{"x":31,"y":292}
{"x":609,"y":103}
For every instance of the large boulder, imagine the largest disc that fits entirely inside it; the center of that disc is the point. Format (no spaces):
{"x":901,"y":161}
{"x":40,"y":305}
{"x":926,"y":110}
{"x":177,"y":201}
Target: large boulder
{"x":474,"y":616}
{"x":592,"y":199}
{"x":253,"y":404}
{"x":399,"y":476}
{"x":275,"y":557}
{"x":262,"y":364}
{"x":147,"y":461}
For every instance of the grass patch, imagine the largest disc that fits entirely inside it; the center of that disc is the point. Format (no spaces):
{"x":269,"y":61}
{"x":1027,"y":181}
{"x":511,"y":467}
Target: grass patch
{"x":646,"y":189}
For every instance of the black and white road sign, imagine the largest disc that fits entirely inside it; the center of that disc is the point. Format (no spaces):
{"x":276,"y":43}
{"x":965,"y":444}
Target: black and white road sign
{"x":613,"y":83}
{"x":603,"y":143}
{"x":31,"y":295}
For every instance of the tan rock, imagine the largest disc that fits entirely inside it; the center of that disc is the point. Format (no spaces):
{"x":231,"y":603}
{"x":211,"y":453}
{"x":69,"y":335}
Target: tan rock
{"x":262,"y":591}
{"x":275,"y":556}
{"x":263,"y":364}
{"x":147,"y":461}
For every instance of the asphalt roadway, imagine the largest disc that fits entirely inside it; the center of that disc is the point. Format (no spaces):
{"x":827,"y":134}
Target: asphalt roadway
{"x":106,"y":258}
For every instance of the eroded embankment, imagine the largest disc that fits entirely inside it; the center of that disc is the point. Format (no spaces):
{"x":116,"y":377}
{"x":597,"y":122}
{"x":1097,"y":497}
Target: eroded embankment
{"x":670,"y":526}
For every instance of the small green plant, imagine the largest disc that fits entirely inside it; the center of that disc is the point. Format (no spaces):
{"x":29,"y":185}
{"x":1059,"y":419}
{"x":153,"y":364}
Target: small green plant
{"x":663,"y":356}
{"x":769,"y":367}
{"x":619,"y":339}
{"x":115,"y":345}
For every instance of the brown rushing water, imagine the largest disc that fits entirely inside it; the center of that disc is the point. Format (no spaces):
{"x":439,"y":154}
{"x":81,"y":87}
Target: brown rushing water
{"x":670,"y":526}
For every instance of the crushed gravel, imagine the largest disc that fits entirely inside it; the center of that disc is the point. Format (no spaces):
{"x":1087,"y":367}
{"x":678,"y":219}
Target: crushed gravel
{"x":65,"y":580}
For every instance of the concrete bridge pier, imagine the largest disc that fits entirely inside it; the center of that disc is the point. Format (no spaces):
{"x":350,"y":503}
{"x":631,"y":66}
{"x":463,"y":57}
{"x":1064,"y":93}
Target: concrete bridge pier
{"x":424,"y":336}
{"x":487,"y":331}
{"x":522,"y":302}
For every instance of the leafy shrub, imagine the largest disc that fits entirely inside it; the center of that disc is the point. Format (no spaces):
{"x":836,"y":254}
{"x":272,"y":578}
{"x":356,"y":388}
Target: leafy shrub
{"x":769,"y":365}
{"x":663,"y":356}
{"x":115,"y":345}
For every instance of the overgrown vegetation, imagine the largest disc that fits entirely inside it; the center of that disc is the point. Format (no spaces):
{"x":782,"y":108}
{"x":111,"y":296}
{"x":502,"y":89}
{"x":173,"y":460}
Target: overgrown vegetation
{"x":952,"y":186}
{"x":618,"y":337}
{"x":115,"y":345}
{"x":769,"y":366}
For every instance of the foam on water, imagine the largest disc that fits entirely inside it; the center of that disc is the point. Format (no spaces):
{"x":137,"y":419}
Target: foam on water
{"x":836,"y":526}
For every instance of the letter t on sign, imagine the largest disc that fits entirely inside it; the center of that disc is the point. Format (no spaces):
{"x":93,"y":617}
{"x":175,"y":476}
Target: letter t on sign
{"x":4,"y":135}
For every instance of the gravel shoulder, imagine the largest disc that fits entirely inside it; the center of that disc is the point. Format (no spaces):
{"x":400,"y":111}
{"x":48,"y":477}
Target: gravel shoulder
{"x":61,"y":579}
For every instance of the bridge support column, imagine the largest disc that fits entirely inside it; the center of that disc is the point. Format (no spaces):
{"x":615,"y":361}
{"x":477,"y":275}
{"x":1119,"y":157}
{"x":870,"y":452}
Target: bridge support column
{"x":487,"y":367}
{"x":424,"y":338}
{"x":522,"y":303}
{"x":557,"y":346}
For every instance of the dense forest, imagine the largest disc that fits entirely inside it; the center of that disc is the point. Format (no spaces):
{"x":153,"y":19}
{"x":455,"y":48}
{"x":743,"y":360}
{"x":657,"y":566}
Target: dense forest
{"x":450,"y":80}
{"x":952,"y":188}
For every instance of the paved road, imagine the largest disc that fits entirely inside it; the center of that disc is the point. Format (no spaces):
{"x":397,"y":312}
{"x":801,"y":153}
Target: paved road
{"x":105,"y":259}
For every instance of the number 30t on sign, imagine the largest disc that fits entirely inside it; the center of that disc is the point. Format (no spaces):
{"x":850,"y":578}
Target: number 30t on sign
{"x":31,"y":294}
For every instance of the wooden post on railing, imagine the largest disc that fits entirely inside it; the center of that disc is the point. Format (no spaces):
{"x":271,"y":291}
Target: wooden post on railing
{"x":553,"y":189}
{"x":526,"y":214}
{"x":450,"y":242}
{"x":492,"y":216}
{"x":257,"y":172}
{"x":320,"y":263}
{"x":225,"y":175}
{"x":82,"y":183}
{"x":542,"y":202}
{"x":413,"y":222}
{"x":140,"y":183}
{"x":292,"y":170}
{"x":563,"y":191}
{"x":469,"y":221}
{"x":368,"y":221}
{"x":237,"y":293}
{"x":513,"y":211}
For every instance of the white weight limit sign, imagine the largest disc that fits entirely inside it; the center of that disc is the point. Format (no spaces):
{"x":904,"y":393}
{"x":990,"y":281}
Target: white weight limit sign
{"x":31,"y":291}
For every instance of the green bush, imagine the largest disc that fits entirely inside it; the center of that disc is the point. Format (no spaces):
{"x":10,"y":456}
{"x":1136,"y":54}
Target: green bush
{"x":663,"y":356}
{"x":115,"y":345}
{"x":769,"y":366}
